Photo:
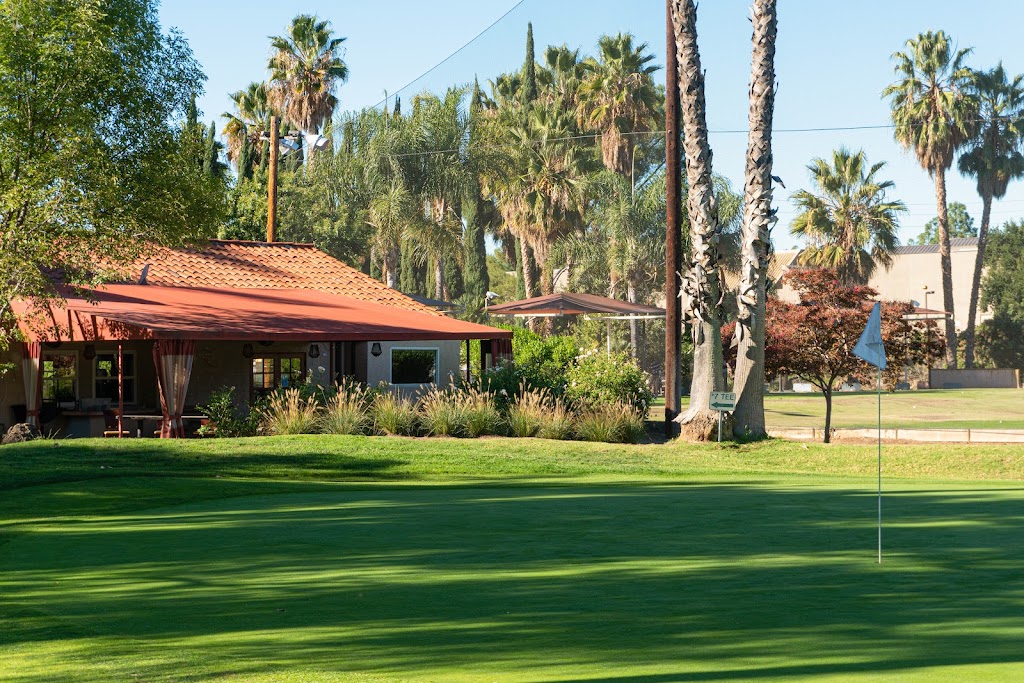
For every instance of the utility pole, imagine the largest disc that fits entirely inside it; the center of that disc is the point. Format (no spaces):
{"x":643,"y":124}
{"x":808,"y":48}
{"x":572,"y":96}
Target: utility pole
{"x":272,"y":182}
{"x":673,"y":254}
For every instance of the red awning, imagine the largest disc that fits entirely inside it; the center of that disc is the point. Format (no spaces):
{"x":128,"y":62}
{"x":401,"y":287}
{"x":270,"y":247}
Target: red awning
{"x":122,"y":312}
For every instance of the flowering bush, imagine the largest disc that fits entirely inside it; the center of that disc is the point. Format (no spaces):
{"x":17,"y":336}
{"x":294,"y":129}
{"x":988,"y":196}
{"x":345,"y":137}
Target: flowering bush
{"x":599,"y":380}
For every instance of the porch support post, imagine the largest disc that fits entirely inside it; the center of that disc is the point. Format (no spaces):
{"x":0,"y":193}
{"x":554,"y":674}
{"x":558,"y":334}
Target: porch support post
{"x":120,"y":390}
{"x":469,"y":366}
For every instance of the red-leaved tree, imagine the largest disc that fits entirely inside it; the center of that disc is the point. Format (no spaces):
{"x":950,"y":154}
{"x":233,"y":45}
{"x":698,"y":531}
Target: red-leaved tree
{"x":814,"y":339}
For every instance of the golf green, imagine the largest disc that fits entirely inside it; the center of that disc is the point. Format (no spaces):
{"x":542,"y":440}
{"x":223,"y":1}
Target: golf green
{"x":724,"y":579}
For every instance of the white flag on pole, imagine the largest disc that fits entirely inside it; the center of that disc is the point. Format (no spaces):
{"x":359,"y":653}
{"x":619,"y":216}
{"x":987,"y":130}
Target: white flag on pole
{"x":870,"y":347}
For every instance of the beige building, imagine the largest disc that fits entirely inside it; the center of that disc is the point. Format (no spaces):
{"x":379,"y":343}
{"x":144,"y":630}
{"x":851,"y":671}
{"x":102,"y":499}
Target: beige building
{"x":916,"y":271}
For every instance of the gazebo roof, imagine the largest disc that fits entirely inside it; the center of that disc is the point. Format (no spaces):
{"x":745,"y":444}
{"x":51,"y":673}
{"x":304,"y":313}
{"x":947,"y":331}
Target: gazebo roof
{"x":567,"y":303}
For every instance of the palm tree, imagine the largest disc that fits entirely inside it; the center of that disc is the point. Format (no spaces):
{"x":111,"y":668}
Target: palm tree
{"x":934,"y":116}
{"x":993,"y":157}
{"x":758,"y":219}
{"x":249,"y":121}
{"x":702,"y":280}
{"x":631,"y":228}
{"x":619,"y":99}
{"x":849,"y":224}
{"x":391,"y":213}
{"x":305,"y":70}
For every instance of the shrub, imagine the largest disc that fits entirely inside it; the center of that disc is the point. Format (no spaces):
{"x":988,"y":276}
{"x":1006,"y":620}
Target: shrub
{"x":610,"y":423}
{"x":443,"y":413}
{"x":347,"y":411}
{"x":225,"y":420}
{"x":556,"y":422}
{"x":481,"y":413}
{"x":598,"y":380}
{"x":526,"y":414}
{"x":540,"y":363}
{"x":393,"y":415}
{"x":288,"y":412}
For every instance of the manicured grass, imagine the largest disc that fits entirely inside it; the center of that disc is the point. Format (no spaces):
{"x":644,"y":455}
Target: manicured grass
{"x":376,"y":559}
{"x":926,"y":409}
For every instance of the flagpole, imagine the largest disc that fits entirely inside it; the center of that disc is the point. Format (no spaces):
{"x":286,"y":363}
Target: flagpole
{"x":879,"y":465}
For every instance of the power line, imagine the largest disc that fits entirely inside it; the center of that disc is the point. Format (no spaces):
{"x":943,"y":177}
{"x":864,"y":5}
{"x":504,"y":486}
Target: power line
{"x":463,"y":47}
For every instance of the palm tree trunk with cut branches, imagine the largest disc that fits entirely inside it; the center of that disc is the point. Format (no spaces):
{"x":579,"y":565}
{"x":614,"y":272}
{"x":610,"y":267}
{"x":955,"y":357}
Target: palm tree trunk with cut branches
{"x":946,"y":266}
{"x":758,"y":220}
{"x":979,"y":262}
{"x":633,"y":297}
{"x":702,"y":282}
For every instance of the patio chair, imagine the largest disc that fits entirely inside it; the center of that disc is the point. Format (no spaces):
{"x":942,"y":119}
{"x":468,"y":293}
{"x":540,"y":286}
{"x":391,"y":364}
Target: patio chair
{"x":110,"y":425}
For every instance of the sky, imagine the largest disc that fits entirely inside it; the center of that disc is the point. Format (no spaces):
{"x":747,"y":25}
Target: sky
{"x":833,"y":61}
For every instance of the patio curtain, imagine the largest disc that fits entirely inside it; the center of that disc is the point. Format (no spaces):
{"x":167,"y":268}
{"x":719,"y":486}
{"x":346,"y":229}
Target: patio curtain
{"x":173,"y":360}
{"x":502,"y":350}
{"x":32,"y":373}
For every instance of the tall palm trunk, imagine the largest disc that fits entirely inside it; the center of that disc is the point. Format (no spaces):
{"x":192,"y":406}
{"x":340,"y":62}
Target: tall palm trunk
{"x":702,"y":283}
{"x":529,"y":268}
{"x":390,"y":267}
{"x":979,"y":262}
{"x":440,"y":289}
{"x":946,"y":266}
{"x":758,"y":220}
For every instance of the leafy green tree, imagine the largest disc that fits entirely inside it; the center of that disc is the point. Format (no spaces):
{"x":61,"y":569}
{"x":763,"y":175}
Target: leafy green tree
{"x":935,"y":116}
{"x":305,"y":71}
{"x":961,"y":224}
{"x":993,"y":157}
{"x":1003,"y":286}
{"x":850,"y":225}
{"x":94,"y":164}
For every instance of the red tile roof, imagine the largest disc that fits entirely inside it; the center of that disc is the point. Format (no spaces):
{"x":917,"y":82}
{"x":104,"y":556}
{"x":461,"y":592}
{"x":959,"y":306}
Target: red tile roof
{"x":262,"y":265}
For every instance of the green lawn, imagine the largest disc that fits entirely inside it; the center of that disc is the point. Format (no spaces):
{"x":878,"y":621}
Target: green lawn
{"x":928,"y":409}
{"x":376,"y":559}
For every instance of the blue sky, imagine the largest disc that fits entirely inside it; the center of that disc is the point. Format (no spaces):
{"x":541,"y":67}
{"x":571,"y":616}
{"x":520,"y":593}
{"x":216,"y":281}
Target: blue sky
{"x":832,"y":63}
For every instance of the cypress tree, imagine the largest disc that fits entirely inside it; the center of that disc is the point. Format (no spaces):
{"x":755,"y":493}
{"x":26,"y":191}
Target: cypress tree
{"x":476,"y":281}
{"x":245,"y":159}
{"x":412,"y":275}
{"x":211,"y":160}
{"x":529,"y":67}
{"x":192,"y":115}
{"x":398,"y":107}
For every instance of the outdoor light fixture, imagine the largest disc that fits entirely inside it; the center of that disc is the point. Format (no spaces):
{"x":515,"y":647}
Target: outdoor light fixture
{"x":314,"y":350}
{"x":89,"y":352}
{"x":315,"y":141}
{"x":247,"y":350}
{"x":375,"y":349}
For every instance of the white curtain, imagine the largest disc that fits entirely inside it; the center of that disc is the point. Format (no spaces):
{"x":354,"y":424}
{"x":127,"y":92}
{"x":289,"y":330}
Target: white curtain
{"x":32,"y":373}
{"x":173,"y":360}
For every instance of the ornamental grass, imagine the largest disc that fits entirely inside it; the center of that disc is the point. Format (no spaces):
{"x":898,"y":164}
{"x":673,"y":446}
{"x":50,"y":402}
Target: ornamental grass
{"x":288,"y":412}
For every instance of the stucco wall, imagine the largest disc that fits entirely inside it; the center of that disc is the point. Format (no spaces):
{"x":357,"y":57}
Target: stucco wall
{"x":909,"y":274}
{"x":378,"y":368}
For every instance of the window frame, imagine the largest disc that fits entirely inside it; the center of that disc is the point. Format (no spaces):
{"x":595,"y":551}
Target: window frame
{"x":96,"y":379}
{"x":276,"y":357}
{"x":75,"y":383}
{"x":391,"y":364}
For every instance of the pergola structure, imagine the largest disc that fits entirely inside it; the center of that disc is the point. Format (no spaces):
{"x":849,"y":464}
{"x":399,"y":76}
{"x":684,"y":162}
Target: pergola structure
{"x":568,"y":303}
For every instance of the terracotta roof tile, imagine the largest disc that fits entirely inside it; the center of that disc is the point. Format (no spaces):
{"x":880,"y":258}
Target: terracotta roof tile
{"x":261,"y":265}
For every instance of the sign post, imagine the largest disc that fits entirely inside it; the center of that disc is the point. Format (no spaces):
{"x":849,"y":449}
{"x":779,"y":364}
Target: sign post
{"x":722,"y":401}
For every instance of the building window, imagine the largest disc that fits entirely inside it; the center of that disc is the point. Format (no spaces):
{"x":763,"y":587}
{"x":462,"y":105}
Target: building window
{"x":413,"y":366}
{"x":106,"y":376}
{"x":277,"y":371}
{"x":60,"y":378}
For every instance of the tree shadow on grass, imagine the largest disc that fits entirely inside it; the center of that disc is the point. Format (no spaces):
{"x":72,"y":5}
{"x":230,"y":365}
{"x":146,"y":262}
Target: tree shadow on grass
{"x":646,"y":583}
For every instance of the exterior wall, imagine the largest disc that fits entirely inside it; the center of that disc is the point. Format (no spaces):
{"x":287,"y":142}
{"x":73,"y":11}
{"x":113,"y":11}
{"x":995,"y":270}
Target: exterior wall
{"x":911,"y":272}
{"x":378,"y":369}
{"x":976,"y":378}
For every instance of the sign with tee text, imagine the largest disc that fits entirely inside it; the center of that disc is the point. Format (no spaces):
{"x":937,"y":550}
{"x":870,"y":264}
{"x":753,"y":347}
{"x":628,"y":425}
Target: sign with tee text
{"x":723,"y":400}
